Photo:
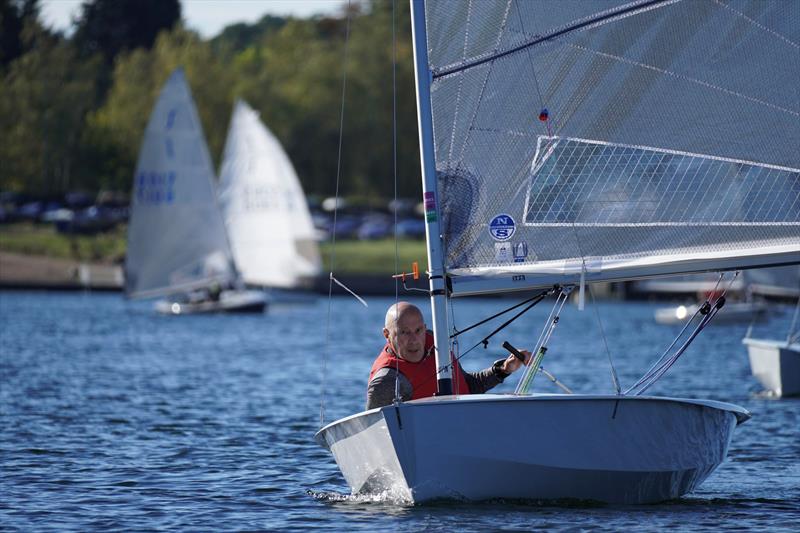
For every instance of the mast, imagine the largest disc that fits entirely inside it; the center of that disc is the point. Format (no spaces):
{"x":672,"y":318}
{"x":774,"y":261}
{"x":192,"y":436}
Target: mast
{"x":433,"y":236}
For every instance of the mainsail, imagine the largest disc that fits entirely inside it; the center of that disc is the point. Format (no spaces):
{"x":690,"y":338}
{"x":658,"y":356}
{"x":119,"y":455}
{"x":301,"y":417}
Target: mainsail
{"x":611,"y":140}
{"x":264,"y":207}
{"x":176,"y":236}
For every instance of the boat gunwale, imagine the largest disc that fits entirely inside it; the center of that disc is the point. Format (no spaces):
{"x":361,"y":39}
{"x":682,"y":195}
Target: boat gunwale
{"x":771,"y":343}
{"x":741,"y":414}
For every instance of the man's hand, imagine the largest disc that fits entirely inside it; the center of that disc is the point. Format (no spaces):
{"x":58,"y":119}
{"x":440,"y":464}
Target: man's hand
{"x":511,"y":364}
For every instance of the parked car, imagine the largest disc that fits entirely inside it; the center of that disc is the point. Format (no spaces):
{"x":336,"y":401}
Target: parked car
{"x":54,"y":215}
{"x":347,"y":226}
{"x":413,"y":228}
{"x":30,"y":212}
{"x":375,"y":227}
{"x":90,"y":221}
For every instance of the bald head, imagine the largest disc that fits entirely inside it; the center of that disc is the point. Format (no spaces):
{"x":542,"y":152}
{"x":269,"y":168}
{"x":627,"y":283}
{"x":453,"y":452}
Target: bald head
{"x":398,"y":312}
{"x":404,"y":328}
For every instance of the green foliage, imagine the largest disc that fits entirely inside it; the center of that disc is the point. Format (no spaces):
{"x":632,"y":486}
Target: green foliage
{"x":71,"y":119}
{"x":237,"y":37}
{"x":117,"y":128}
{"x":44,"y":98}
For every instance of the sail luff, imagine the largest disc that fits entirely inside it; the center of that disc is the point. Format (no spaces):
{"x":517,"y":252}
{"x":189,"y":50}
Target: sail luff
{"x":433,"y":239}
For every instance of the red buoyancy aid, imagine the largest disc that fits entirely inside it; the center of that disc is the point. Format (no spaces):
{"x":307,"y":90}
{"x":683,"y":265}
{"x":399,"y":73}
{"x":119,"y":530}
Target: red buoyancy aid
{"x":422,"y":374}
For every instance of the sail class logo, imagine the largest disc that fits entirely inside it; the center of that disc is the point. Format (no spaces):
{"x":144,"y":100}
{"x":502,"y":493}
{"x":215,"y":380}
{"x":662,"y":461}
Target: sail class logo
{"x":155,"y":187}
{"x":520,"y":252}
{"x":502,"y":227}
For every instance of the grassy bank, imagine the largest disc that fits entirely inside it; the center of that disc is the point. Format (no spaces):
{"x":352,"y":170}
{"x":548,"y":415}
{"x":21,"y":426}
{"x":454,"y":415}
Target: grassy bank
{"x":353,"y":257}
{"x":34,"y":239}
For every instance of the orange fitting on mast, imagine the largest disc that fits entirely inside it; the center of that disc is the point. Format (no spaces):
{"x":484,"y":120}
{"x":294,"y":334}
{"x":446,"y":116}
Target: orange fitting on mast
{"x":414,"y":273}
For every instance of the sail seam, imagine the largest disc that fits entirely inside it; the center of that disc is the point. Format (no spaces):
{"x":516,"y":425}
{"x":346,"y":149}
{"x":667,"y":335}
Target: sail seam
{"x":685,"y":78}
{"x":758,"y":24}
{"x":484,"y":84}
{"x":460,"y":86}
{"x":626,"y":10}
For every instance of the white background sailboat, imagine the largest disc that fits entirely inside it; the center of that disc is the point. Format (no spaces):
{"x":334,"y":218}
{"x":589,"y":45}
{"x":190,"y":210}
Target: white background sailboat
{"x":776,"y":363}
{"x":568,"y":143}
{"x":264,"y":207}
{"x":177,"y":246}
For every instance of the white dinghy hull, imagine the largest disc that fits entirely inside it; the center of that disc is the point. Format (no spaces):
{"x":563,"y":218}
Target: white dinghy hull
{"x":630,"y":450}
{"x":775,"y":364}
{"x":234,"y":301}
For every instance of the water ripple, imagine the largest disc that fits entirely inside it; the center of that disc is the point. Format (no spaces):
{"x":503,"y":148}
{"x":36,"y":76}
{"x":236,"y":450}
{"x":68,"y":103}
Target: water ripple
{"x":115,"y":418}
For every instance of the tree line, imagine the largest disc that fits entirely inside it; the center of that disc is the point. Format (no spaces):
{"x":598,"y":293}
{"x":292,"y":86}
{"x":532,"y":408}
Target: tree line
{"x":73,"y":108}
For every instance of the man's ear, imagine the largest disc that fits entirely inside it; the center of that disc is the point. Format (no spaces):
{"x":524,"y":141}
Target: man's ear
{"x":386,"y":333}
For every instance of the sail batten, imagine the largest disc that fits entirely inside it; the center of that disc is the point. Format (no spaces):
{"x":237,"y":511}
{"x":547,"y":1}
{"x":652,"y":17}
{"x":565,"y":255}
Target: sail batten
{"x":621,"y":132}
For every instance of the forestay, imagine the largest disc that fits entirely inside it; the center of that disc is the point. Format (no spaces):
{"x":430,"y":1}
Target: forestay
{"x":613,"y":140}
{"x":176,"y":237}
{"x":264,"y":207}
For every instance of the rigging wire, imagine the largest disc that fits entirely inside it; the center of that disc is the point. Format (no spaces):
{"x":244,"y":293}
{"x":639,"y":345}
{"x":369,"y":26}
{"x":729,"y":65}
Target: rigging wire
{"x":455,"y":360}
{"x":485,"y":340}
{"x":456,"y":332}
{"x":333,"y":232}
{"x":614,"y":375}
{"x":708,"y":312}
{"x":663,"y":357}
{"x":397,"y":398}
{"x":544,"y":115}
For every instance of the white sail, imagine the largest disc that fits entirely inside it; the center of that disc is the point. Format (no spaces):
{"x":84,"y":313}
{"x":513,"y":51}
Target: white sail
{"x":265,"y":209}
{"x":176,"y":236}
{"x":614,"y":140}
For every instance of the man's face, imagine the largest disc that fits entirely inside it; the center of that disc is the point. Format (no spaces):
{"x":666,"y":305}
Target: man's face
{"x":407,"y":336}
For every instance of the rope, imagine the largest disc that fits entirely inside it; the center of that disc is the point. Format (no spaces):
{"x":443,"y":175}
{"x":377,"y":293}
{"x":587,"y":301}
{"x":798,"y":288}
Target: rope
{"x":455,"y":360}
{"x":708,"y":312}
{"x":456,"y":332}
{"x":653,"y":369}
{"x":660,"y":360}
{"x":541,"y":344}
{"x":485,"y":340}
{"x":333,"y":233}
